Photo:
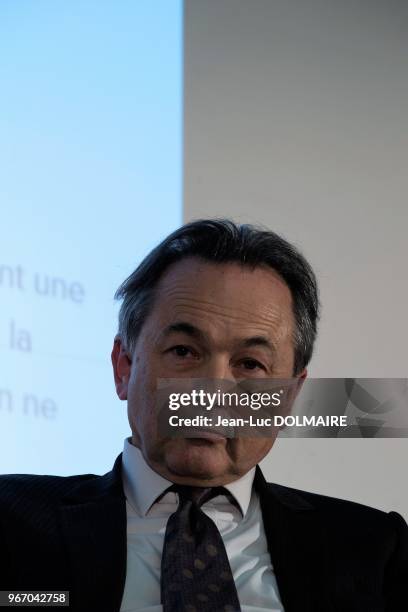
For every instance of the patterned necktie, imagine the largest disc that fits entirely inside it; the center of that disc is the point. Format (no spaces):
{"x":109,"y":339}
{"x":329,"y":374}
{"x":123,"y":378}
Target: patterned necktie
{"x":195,"y":572}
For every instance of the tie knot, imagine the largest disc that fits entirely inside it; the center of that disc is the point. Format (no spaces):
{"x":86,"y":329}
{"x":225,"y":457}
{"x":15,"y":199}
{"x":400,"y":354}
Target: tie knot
{"x":197,"y":495}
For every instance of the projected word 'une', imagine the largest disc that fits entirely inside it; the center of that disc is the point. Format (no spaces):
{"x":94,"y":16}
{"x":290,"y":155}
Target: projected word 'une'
{"x":19,"y":278}
{"x":55,"y":287}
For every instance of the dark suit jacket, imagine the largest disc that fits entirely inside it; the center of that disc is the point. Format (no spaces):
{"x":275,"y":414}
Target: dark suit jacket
{"x":329,"y":555}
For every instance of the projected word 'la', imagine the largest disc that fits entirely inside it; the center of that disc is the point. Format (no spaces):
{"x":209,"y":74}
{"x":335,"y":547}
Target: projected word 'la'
{"x":19,"y":339}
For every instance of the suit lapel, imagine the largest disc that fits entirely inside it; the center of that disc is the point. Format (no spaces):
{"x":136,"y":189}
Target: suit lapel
{"x":298,"y":545}
{"x":93,"y":521}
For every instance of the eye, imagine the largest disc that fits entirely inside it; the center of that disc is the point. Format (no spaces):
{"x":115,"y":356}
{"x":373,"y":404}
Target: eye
{"x":252,"y":364}
{"x":180,"y":350}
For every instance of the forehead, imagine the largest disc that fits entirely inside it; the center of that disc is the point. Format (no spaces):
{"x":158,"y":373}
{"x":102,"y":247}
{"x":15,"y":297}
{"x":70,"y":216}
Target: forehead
{"x":228,"y":296}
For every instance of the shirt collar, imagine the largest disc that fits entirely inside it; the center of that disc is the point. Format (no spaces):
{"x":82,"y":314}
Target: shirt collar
{"x":142,"y":485}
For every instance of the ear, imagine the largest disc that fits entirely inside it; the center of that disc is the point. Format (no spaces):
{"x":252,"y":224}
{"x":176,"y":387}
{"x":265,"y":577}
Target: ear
{"x":122,"y":364}
{"x":301,"y":379}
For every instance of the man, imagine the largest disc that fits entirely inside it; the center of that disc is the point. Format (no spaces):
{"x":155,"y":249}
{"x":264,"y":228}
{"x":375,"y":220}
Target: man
{"x":190,"y":523}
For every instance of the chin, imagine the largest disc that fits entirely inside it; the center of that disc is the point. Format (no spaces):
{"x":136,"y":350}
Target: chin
{"x":197,"y":460}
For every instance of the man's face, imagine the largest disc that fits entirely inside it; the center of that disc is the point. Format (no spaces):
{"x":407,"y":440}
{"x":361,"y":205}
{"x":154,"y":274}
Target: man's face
{"x":203,"y":324}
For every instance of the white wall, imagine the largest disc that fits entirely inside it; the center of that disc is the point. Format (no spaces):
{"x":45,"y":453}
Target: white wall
{"x":296,"y":117}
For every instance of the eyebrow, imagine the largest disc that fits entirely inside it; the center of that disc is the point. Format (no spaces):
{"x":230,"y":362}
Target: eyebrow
{"x":195,"y":332}
{"x":184,"y":328}
{"x":258,"y":341}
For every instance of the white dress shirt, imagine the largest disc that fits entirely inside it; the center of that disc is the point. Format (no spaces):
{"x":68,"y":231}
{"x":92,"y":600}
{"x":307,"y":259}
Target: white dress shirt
{"x":242,"y":532}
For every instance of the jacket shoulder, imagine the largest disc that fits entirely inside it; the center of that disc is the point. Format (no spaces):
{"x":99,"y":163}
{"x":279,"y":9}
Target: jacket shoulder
{"x":22,"y":490}
{"x":341,"y":510}
{"x":22,"y":495}
{"x":318,"y":501}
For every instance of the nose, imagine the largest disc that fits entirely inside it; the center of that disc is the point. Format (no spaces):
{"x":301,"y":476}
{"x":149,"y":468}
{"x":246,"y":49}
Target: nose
{"x":218,"y":367}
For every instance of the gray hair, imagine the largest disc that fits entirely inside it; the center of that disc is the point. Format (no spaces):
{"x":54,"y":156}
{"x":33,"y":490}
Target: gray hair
{"x":224,"y":241}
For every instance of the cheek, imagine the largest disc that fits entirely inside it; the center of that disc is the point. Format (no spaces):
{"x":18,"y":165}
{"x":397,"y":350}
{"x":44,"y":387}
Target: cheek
{"x":146,"y":367}
{"x":143,"y":374}
{"x":142,"y":394}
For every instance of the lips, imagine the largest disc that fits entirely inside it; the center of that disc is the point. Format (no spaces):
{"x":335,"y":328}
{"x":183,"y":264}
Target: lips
{"x":205,"y":434}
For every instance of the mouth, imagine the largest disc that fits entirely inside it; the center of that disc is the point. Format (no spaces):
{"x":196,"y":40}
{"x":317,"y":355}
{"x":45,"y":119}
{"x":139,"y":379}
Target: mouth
{"x":203,"y":434}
